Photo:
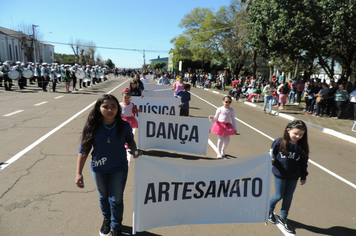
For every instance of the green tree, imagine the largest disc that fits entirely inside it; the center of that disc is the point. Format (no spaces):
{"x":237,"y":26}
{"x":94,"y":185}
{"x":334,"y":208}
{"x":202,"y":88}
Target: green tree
{"x":199,"y":30}
{"x":292,"y":28}
{"x":340,"y":18}
{"x":158,"y":65}
{"x":109,"y":63}
{"x":216,"y":37}
{"x":181,"y":50}
{"x":233,"y":36}
{"x":306,"y":30}
{"x":64,"y":58}
{"x":246,"y":3}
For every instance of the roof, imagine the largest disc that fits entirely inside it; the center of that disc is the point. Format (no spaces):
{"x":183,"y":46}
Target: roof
{"x":14,"y":33}
{"x":10,"y":32}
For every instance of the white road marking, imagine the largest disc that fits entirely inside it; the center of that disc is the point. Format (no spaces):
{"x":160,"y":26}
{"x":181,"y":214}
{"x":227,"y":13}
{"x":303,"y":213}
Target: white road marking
{"x":212,"y":145}
{"x":44,"y":137}
{"x":272,"y":139}
{"x":41,"y":103}
{"x":58,"y":97}
{"x":281,"y":228}
{"x":13,"y":113}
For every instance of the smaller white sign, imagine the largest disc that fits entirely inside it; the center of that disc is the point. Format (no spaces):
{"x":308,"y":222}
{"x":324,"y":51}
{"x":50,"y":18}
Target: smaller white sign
{"x":175,"y":133}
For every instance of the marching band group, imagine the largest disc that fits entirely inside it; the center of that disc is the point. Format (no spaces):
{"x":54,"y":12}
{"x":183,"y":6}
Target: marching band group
{"x":45,"y":73}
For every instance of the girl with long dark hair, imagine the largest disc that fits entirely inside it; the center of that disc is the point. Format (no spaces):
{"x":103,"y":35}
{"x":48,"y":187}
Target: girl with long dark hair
{"x":290,"y":155}
{"x":105,"y":133}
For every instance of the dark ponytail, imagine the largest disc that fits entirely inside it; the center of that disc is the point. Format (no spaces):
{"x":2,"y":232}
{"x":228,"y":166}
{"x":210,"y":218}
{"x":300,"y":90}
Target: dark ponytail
{"x":302,"y":143}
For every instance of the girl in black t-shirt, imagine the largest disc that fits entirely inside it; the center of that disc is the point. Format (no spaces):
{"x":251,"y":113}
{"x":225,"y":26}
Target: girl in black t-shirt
{"x":290,"y":156}
{"x":134,"y":90}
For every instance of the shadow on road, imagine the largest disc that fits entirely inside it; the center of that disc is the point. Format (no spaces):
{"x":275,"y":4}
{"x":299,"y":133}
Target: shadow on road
{"x":127,"y":230}
{"x":334,"y":230}
{"x":2,"y":163}
{"x":158,"y":153}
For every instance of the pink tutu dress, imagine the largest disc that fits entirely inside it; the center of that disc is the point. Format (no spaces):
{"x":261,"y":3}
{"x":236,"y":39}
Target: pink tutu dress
{"x":222,"y":129}
{"x":127,"y":111}
{"x":223,"y":126}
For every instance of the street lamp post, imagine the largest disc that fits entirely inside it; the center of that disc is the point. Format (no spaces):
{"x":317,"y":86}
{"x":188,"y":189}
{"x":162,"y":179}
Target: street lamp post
{"x":34,"y":40}
{"x":144,"y":60}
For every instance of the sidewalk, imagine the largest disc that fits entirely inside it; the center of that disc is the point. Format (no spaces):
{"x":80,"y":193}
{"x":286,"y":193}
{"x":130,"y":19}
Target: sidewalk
{"x":338,"y":128}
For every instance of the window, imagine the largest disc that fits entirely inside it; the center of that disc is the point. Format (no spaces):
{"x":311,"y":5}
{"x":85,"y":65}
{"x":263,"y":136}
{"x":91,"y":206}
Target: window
{"x":16,"y":53}
{"x":10,"y":52}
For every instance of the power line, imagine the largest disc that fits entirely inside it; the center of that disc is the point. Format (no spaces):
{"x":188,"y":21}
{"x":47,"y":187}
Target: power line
{"x":111,"y":48}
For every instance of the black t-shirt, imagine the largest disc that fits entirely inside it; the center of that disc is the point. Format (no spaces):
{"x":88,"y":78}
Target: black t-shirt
{"x":135,"y":92}
{"x":292,"y":166}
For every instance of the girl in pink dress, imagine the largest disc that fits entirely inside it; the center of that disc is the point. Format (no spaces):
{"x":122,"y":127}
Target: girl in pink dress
{"x":224,"y":116}
{"x":128,"y":109}
{"x":179,"y":85}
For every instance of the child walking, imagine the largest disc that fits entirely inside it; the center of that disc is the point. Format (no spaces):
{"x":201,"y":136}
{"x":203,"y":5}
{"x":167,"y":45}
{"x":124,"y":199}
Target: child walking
{"x":290,"y":156}
{"x":222,"y":127}
{"x":105,"y":134}
{"x":184,"y":95}
{"x":53,"y":78}
{"x":67,"y":77}
{"x":128,"y":109}
{"x":134,"y":90}
{"x":179,"y":85}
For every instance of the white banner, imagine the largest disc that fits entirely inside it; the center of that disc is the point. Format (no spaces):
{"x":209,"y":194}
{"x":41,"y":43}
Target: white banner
{"x":160,"y":106}
{"x":159,"y":93}
{"x":175,"y":133}
{"x":148,"y":77}
{"x":152,"y":87}
{"x":171,"y":192}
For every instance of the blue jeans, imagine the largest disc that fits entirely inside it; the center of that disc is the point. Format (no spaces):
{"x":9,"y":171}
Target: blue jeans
{"x":291,"y":96}
{"x":223,"y":85}
{"x":284,"y":189}
{"x":268,"y":99}
{"x":111,"y":196}
{"x":312,"y":104}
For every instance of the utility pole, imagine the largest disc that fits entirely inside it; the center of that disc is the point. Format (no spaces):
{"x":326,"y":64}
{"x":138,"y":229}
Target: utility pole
{"x":77,"y":55}
{"x":34,"y":40}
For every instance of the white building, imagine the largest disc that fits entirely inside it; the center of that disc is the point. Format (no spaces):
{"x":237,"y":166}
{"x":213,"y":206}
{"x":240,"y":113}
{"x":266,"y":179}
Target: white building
{"x":11,"y":48}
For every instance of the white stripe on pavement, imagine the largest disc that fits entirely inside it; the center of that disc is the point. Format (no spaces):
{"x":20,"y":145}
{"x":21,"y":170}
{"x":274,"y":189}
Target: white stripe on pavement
{"x":13,"y":113}
{"x":213,"y":146}
{"x":58,"y":97}
{"x":281,"y":228}
{"x":41,"y":103}
{"x":44,"y":137}
{"x":272,"y":139}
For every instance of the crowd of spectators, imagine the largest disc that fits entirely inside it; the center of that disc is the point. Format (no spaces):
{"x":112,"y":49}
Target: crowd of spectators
{"x":336,"y":99}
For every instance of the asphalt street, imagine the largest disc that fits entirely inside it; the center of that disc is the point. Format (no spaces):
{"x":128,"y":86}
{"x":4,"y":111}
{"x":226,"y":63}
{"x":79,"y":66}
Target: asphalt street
{"x":39,"y":139}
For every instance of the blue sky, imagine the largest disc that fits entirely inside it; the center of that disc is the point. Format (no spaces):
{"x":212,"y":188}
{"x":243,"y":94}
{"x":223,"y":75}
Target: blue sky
{"x":132,"y":24}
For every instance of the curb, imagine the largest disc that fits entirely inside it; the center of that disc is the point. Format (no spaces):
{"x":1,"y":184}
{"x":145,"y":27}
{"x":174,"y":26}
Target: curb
{"x":291,"y":118}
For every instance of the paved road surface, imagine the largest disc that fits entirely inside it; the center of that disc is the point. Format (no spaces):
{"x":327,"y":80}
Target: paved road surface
{"x":38,"y":195}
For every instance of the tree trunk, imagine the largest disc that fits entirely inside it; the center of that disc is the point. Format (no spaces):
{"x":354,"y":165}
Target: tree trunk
{"x":254,"y":64}
{"x":271,"y":69}
{"x":296,"y":69}
{"x":329,"y":70}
